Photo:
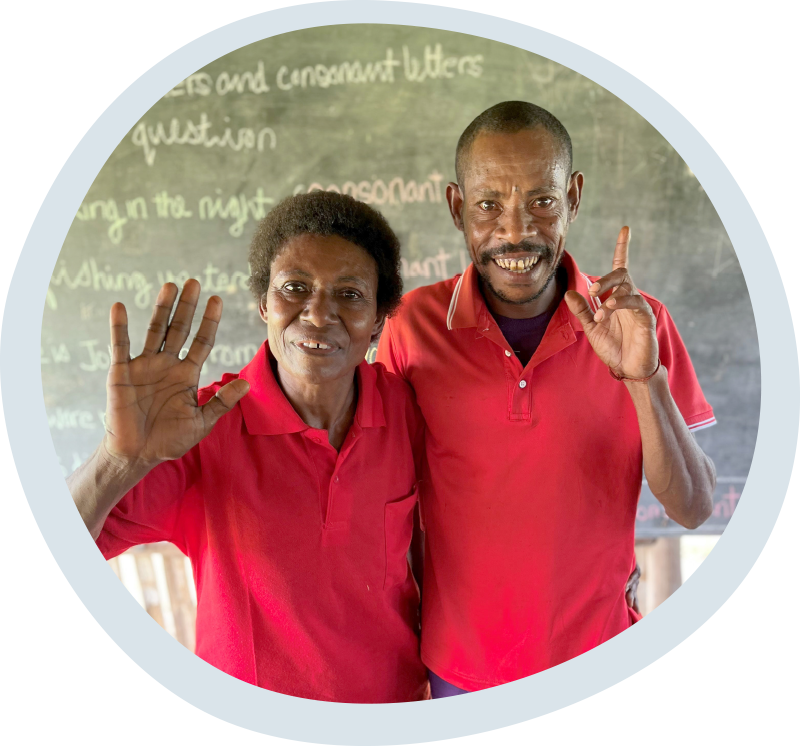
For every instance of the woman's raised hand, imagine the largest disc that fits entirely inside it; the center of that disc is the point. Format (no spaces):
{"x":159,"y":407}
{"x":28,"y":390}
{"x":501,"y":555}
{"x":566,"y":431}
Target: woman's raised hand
{"x":152,"y":413}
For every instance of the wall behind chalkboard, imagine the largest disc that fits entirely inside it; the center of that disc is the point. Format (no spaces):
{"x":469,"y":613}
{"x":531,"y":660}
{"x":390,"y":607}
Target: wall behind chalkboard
{"x":376,"y":111}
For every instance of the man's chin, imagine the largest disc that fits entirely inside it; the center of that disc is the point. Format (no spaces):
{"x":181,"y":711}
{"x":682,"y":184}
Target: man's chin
{"x":516,"y":294}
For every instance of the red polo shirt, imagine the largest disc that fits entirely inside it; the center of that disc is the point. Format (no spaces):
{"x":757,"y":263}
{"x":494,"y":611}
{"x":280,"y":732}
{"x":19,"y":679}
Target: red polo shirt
{"x":298,"y":552}
{"x":528,"y":503}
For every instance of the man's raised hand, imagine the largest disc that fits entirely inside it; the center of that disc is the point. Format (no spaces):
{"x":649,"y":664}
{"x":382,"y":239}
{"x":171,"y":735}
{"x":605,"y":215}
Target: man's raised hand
{"x":152,"y":413}
{"x":623,"y":330}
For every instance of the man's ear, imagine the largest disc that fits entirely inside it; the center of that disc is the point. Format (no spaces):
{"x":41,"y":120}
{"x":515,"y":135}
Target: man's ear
{"x":574,"y":191}
{"x":262,"y":307}
{"x":380,"y":322}
{"x":455,"y":200}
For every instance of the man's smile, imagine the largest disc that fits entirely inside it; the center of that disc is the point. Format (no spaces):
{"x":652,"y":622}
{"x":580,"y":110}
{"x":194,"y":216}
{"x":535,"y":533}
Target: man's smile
{"x":517,"y":265}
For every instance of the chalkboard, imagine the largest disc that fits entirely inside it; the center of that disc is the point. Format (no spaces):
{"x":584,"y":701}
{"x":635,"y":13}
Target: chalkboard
{"x":376,"y":111}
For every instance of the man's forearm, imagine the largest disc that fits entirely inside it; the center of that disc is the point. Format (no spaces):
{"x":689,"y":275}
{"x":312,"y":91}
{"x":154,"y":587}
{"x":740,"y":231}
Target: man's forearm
{"x":678,"y":473}
{"x":100,"y":483}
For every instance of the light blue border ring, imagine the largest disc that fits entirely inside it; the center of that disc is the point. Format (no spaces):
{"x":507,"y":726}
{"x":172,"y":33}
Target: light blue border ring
{"x":287,"y":717}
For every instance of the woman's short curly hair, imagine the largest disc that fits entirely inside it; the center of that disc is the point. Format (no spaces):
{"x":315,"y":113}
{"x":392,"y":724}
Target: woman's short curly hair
{"x":328,"y":214}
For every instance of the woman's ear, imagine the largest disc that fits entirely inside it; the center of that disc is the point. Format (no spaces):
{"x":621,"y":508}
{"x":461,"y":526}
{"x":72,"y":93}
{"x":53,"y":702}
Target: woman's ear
{"x":262,"y":307}
{"x":378,"y":327}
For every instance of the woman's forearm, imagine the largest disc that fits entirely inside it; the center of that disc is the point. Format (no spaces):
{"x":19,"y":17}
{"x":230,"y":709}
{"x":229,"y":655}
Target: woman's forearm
{"x":100,"y":483}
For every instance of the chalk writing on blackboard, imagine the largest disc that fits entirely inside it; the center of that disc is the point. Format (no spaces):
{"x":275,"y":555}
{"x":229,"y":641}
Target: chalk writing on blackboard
{"x":394,"y":191}
{"x":198,"y":133}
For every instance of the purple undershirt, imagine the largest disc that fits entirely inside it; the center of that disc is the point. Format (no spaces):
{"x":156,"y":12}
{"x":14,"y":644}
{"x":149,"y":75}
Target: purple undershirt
{"x":441,"y":688}
{"x":524,"y":335}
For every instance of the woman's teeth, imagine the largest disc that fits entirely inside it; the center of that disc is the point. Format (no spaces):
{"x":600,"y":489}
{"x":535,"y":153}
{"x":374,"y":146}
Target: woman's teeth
{"x":517,"y":265}
{"x":316,"y":345}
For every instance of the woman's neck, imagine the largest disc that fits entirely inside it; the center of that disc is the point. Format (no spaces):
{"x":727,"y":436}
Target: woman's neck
{"x":328,"y":406}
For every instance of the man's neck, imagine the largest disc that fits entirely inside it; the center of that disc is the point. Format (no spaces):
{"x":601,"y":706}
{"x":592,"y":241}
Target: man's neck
{"x":547,"y":301}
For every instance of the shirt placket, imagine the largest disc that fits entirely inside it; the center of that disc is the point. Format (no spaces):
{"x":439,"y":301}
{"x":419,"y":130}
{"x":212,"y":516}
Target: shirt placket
{"x":334,"y":495}
{"x":517,"y":378}
{"x":321,"y":453}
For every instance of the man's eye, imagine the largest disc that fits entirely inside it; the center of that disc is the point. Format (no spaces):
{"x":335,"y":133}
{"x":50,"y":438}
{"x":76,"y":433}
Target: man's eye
{"x":543,"y":202}
{"x":487,"y":205}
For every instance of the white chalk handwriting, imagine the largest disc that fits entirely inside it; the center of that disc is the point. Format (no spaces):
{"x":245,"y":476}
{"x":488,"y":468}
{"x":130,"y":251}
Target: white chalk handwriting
{"x":57,"y":354}
{"x":343,"y":73}
{"x":90,"y":276}
{"x":148,"y":137}
{"x":62,"y":418}
{"x":238,"y":208}
{"x":432,"y":64}
{"x":433,"y":267}
{"x":378,"y":192}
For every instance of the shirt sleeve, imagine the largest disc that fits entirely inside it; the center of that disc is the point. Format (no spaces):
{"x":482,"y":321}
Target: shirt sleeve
{"x":387,"y":351}
{"x":683,"y":383}
{"x":151,"y":511}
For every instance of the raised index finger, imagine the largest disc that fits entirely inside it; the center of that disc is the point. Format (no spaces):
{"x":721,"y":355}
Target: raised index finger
{"x":621,"y":249}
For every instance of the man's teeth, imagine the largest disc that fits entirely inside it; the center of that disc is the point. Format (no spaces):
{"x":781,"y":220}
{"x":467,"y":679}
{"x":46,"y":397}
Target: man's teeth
{"x":517,"y":265}
{"x":316,"y":345}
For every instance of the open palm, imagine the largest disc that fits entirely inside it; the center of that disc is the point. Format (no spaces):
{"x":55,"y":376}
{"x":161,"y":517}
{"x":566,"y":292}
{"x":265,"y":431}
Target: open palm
{"x":152,"y":414}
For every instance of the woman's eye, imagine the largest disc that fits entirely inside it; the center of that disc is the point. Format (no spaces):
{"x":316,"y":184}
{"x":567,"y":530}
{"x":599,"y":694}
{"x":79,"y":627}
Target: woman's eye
{"x":294,"y":287}
{"x":351,"y":294}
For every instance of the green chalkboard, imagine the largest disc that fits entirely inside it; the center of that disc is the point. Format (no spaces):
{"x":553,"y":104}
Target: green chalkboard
{"x":376,"y":111}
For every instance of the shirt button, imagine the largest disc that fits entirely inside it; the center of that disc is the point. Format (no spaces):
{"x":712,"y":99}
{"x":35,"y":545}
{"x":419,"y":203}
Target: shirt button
{"x":508,"y":354}
{"x":336,"y":479}
{"x":523,"y":384}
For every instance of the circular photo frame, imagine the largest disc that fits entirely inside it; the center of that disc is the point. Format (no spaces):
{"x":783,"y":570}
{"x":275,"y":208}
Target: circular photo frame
{"x":287,"y":717}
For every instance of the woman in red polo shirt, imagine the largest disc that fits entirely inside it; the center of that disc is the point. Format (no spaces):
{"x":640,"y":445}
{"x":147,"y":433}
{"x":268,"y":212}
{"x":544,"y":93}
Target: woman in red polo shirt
{"x":295,"y":508}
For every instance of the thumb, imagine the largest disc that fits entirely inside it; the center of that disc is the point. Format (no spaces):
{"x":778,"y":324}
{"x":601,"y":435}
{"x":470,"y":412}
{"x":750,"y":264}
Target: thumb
{"x":580,"y":308}
{"x":223,"y":401}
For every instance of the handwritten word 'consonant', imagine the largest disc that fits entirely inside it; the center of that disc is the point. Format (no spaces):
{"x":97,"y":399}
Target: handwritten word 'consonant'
{"x":378,"y":192}
{"x":343,"y":73}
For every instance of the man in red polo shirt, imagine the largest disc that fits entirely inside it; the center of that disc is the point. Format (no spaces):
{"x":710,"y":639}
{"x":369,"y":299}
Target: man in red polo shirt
{"x":545,"y":393}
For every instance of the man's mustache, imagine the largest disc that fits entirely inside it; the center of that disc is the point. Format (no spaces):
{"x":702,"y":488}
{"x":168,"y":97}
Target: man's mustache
{"x":542,"y":250}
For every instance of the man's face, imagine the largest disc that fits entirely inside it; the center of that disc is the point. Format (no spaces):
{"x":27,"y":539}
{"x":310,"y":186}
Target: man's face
{"x":517,"y":202}
{"x":321,"y":308}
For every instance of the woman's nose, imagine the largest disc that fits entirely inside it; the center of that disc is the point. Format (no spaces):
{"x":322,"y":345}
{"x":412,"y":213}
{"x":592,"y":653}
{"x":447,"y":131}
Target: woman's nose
{"x":320,"y":310}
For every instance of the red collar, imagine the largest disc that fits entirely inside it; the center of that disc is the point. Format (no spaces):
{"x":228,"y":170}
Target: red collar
{"x":468,"y":308}
{"x":267,"y":411}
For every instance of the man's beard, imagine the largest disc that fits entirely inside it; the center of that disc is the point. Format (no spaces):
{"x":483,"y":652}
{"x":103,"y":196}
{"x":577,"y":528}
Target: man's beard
{"x":545,"y":253}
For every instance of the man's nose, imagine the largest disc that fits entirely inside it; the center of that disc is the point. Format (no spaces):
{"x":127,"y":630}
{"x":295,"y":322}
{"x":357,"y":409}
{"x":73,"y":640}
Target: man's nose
{"x":515,"y":224}
{"x":320,"y":310}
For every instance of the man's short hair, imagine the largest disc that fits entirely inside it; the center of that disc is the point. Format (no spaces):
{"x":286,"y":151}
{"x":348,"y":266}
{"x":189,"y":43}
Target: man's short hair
{"x":328,"y":214}
{"x":510,"y":117}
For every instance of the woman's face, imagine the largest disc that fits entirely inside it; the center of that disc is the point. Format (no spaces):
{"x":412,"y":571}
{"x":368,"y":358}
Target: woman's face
{"x":321,"y":308}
